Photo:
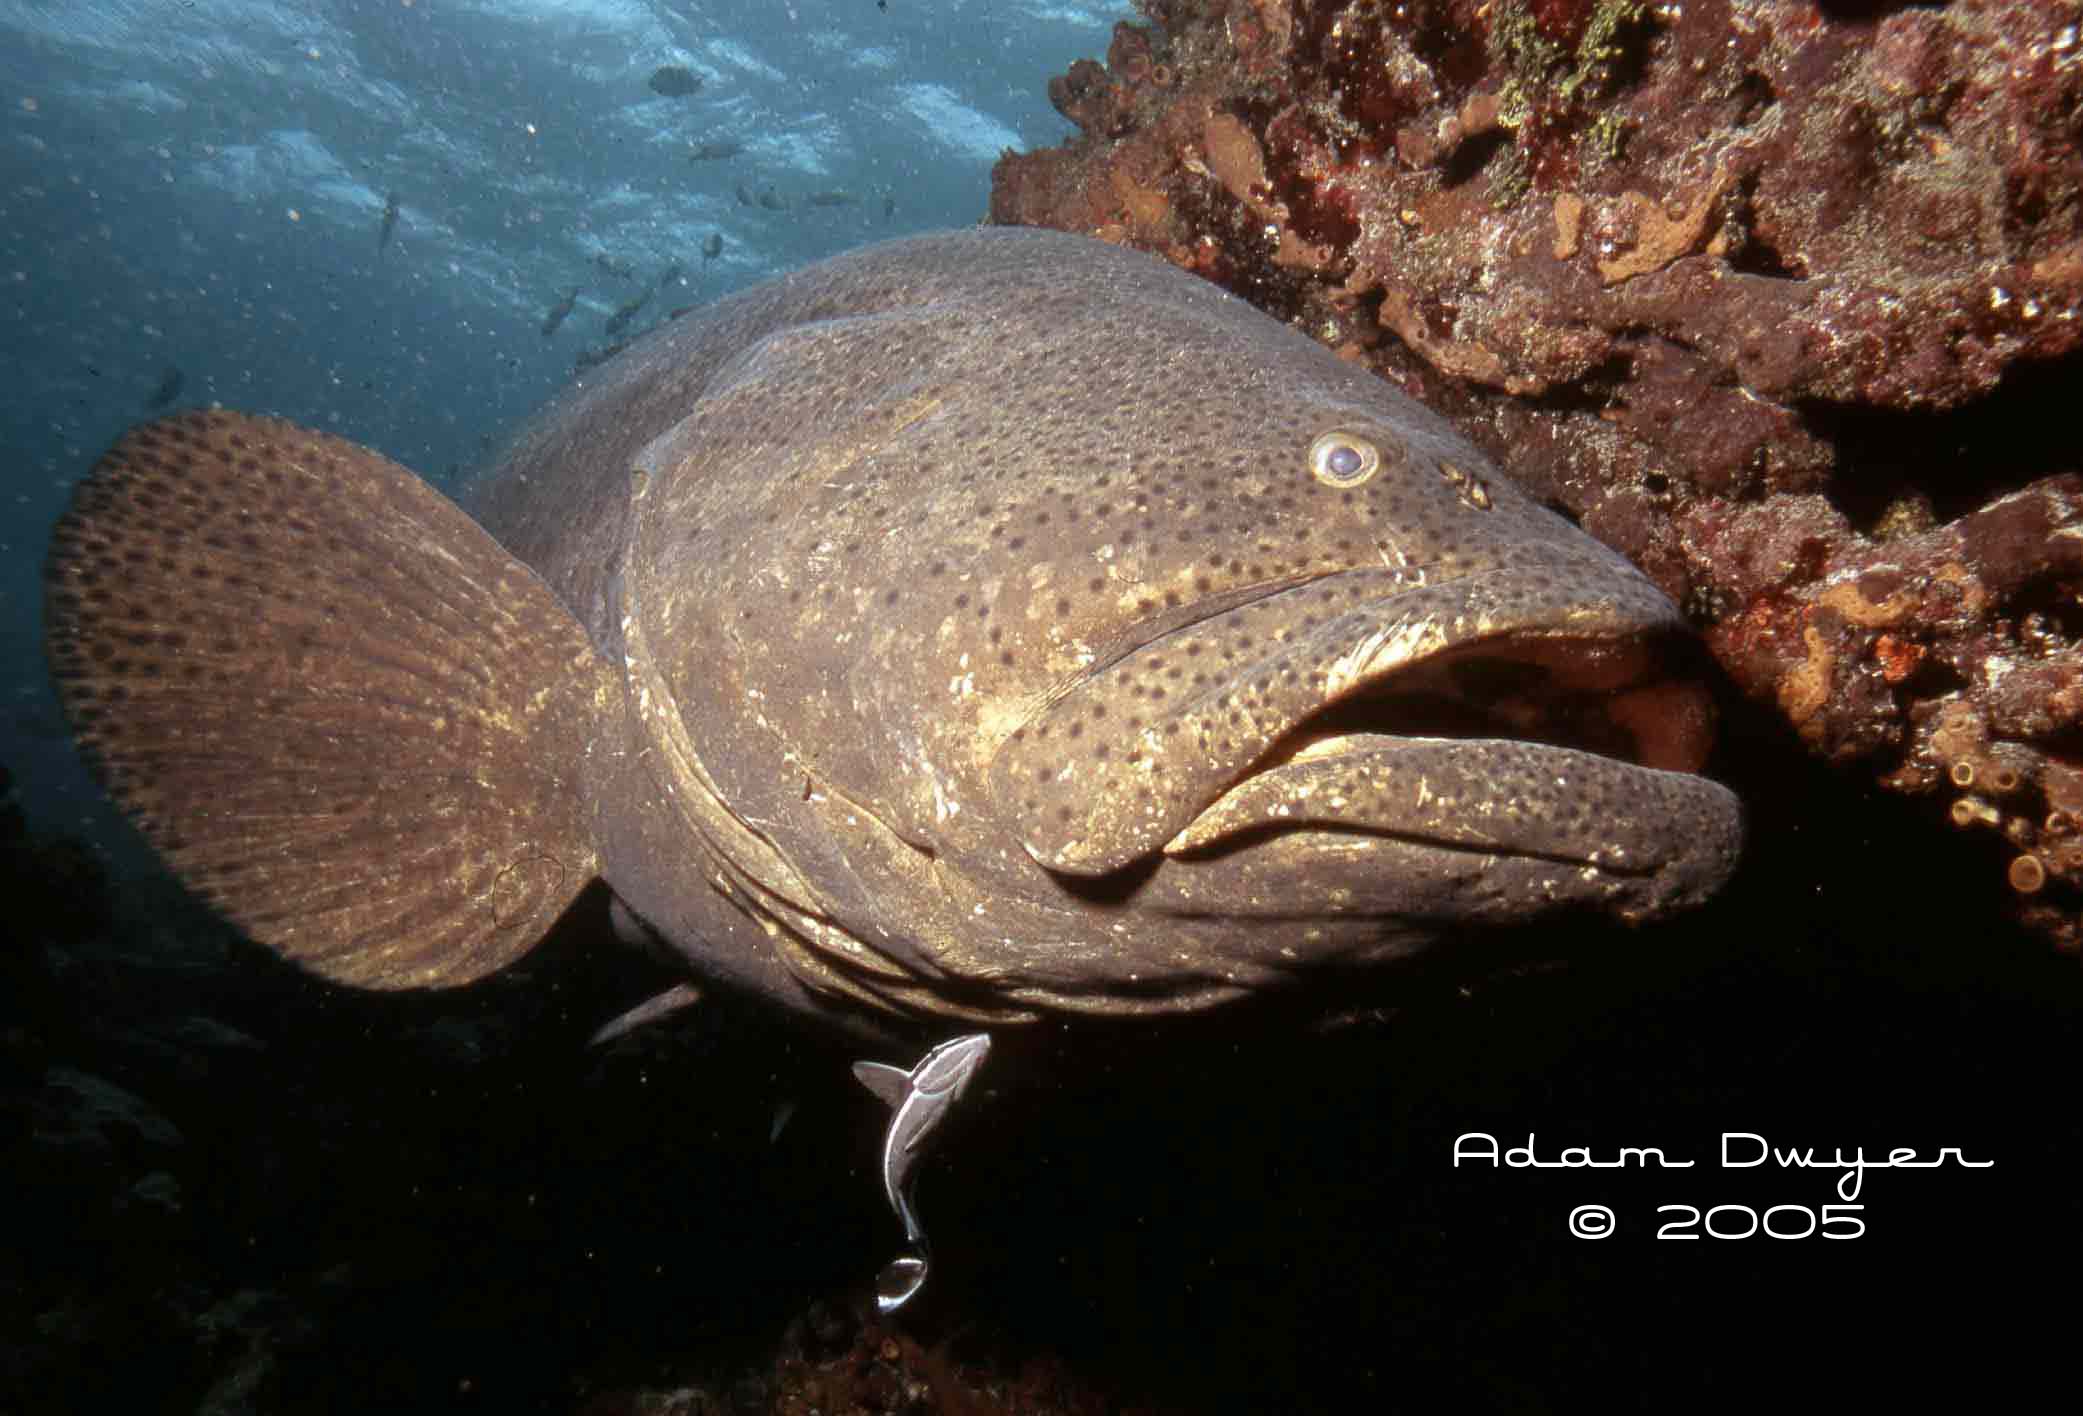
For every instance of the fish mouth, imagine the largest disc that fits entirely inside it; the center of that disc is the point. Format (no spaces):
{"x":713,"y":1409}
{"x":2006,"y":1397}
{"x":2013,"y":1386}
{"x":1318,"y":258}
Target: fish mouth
{"x":1420,"y":753}
{"x":1532,"y":711}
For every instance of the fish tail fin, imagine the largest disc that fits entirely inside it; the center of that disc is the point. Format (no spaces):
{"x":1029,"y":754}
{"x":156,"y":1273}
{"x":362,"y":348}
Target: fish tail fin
{"x":344,"y":714}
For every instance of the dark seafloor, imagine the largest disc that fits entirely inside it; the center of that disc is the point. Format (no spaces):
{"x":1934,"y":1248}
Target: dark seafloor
{"x":229,"y":1188}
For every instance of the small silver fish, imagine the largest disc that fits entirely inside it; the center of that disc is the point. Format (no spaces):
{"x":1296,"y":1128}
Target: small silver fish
{"x":920,"y":1100}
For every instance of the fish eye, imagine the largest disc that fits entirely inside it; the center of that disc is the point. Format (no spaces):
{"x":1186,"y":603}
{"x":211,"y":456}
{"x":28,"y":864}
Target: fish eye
{"x":1343,"y":459}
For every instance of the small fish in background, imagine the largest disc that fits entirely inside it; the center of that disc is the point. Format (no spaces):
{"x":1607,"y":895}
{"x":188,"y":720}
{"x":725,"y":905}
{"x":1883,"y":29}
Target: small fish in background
{"x":773,"y":200}
{"x":621,"y":270}
{"x":631,"y":308}
{"x":587,"y":358}
{"x":744,"y":194}
{"x":714,"y":151}
{"x":559,"y":311}
{"x":627,"y":311}
{"x":390,"y":222}
{"x":889,"y":207}
{"x":712,"y":246}
{"x":673,"y":81}
{"x":831,"y":199}
{"x":168,"y":388}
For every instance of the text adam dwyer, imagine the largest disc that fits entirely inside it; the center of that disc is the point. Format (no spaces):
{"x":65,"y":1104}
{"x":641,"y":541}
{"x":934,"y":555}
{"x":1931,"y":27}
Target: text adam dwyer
{"x":1740,"y":1150}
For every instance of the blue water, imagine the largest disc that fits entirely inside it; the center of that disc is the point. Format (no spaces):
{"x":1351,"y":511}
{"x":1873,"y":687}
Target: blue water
{"x":200,"y":185}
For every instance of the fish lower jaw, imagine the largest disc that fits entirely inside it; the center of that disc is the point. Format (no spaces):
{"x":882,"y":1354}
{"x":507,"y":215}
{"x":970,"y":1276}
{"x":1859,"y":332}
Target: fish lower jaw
{"x":1330,"y":794}
{"x":1278,"y":795}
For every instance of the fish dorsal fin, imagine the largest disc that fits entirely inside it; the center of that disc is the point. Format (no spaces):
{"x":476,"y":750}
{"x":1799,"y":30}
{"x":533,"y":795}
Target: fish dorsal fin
{"x":345,"y":715}
{"x":892,"y":1084}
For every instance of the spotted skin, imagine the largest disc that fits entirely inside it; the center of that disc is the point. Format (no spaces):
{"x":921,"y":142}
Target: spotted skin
{"x":1010,"y":625}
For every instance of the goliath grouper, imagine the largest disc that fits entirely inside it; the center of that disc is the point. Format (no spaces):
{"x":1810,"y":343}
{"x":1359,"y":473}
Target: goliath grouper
{"x":972,"y":629}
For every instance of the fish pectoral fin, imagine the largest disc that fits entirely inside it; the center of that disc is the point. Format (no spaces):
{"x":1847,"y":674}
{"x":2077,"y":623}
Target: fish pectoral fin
{"x":659,"y":1006}
{"x":346,"y":716}
{"x":892,"y":1084}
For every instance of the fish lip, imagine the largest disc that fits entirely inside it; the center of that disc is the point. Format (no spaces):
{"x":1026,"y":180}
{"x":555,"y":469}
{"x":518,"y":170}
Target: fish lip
{"x":1271,"y":811}
{"x":1617,"y":623}
{"x":1673,"y":849}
